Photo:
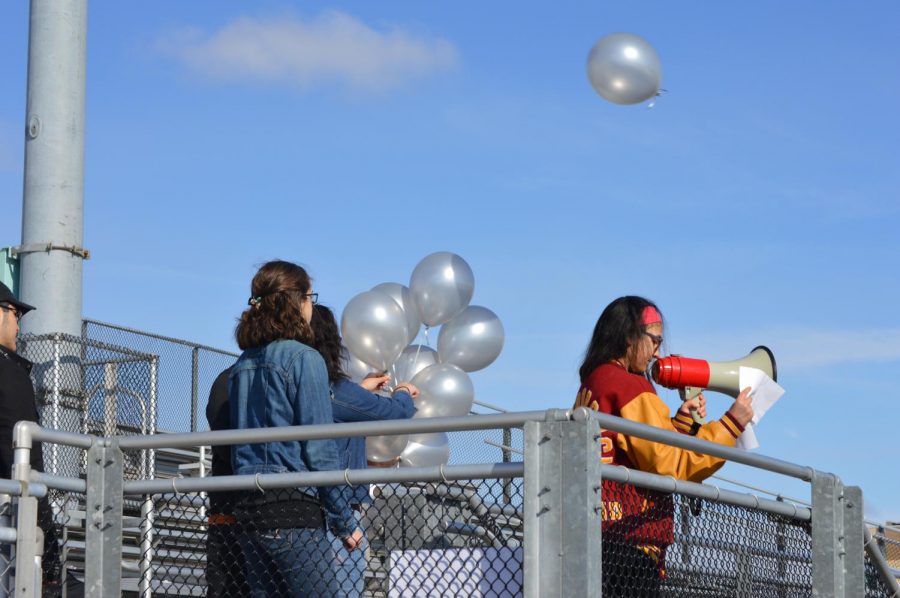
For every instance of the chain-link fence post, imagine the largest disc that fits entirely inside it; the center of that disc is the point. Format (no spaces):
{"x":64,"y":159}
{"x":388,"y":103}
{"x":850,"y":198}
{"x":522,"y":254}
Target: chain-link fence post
{"x":103,"y":520}
{"x":507,"y":457}
{"x":562,"y":508}
{"x":838,"y":560}
{"x":195,"y":387}
{"x":5,"y":560}
{"x":29,"y":541}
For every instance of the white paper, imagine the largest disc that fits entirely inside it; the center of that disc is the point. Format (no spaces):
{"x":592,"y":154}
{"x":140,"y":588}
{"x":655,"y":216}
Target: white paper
{"x":765,"y":393}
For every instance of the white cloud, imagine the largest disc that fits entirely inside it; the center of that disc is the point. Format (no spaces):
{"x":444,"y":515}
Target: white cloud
{"x":797,"y":348}
{"x":816,"y":348}
{"x":333,"y":48}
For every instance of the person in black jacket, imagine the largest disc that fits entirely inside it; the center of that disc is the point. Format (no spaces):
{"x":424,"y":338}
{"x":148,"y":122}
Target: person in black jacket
{"x":225,"y":576}
{"x":16,"y":391}
{"x":17,"y":403}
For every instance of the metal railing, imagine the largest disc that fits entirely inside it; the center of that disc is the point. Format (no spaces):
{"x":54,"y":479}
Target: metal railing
{"x":513,"y":495}
{"x":447,"y":528}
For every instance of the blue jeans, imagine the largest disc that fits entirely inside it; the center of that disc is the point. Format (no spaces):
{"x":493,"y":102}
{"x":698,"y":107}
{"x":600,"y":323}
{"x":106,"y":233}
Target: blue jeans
{"x":350,"y":567}
{"x":296,"y":562}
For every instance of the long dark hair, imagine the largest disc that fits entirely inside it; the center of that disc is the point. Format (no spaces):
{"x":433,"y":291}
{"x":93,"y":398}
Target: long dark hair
{"x":328,"y":342}
{"x":618,"y":328}
{"x":277,"y":294}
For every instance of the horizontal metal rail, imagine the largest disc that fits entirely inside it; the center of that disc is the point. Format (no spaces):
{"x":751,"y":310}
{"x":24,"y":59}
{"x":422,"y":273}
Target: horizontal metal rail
{"x":263,"y":482}
{"x":626,"y":426}
{"x":714,"y":493}
{"x":59,"y":482}
{"x":169,"y":339}
{"x":374,"y":428}
{"x":8,"y":535}
{"x":17,"y":488}
{"x":94,"y":344}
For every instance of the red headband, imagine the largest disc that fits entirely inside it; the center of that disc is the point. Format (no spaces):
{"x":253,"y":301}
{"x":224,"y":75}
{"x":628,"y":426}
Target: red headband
{"x":650,"y":316}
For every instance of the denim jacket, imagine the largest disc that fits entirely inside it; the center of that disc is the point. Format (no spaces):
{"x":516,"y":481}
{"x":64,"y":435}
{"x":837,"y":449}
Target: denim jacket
{"x":284,"y":383}
{"x":353,"y":403}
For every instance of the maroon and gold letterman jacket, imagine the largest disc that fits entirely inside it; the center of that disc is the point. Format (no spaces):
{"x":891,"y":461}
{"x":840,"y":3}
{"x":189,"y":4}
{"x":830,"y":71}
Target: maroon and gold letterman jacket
{"x":636,"y":516}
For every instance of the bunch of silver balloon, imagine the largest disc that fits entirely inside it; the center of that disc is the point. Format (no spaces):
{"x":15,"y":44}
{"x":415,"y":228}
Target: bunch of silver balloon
{"x":379,"y":326}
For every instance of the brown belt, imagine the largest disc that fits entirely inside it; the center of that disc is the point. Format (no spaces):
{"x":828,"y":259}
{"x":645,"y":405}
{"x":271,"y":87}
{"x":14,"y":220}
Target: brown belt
{"x":221,"y":519}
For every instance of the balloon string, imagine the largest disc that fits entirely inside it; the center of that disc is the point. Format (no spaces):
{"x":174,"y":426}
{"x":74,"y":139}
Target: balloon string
{"x":416,"y":358}
{"x":389,"y":386}
{"x":427,"y":342}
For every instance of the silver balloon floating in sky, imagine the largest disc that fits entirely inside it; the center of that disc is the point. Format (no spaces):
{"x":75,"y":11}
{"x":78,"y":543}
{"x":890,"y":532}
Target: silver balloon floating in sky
{"x":624,"y":68}
{"x":472,"y":340}
{"x":374,"y":329}
{"x":441,"y":285}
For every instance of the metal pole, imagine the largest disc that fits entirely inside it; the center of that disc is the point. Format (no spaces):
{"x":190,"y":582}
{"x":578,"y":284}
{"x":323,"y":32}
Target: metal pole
{"x":51,"y":254}
{"x":507,"y":457}
{"x":110,"y":400}
{"x":562,"y":548}
{"x":26,"y":528}
{"x":54,"y":410}
{"x":838,"y":567}
{"x":148,"y":510}
{"x":146,"y":558}
{"x":103,"y":520}
{"x":195,"y":384}
{"x":5,"y":562}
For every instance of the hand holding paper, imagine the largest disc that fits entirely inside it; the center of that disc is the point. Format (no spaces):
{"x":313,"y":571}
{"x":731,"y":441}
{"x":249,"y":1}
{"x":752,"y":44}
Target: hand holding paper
{"x":765,"y":392}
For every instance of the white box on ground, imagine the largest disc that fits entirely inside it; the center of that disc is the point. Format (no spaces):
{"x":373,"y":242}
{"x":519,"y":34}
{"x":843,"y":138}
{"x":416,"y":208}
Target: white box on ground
{"x":456,"y":572}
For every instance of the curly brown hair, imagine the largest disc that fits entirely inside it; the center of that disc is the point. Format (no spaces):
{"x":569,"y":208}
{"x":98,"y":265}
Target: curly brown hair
{"x":277,"y":293}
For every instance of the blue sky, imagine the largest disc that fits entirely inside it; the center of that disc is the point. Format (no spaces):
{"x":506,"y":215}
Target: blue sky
{"x":757,"y":203}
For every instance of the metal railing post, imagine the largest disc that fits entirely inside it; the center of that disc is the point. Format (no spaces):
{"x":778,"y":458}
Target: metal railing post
{"x":838,"y":560}
{"x":507,"y":457}
{"x":195,"y":387}
{"x":103,"y":547}
{"x":5,"y":560}
{"x":854,"y":542}
{"x":28,"y":577}
{"x":110,"y":399}
{"x":562,"y":547}
{"x":145,"y":565}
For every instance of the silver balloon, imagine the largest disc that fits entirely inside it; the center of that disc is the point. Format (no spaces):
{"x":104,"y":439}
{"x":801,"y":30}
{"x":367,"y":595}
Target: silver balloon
{"x":472,"y":340}
{"x":413,"y":360}
{"x":374,"y":328}
{"x":381,"y":449}
{"x":355,"y":367}
{"x":403,"y":297}
{"x":445,"y":389}
{"x":442,"y":285}
{"x":624,"y":68}
{"x":426,"y":450}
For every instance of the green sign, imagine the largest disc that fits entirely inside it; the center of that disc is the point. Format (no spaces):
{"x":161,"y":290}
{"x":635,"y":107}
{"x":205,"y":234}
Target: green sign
{"x":9,"y":270}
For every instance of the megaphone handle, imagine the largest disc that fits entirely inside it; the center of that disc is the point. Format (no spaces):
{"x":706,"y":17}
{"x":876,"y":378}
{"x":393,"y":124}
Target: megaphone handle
{"x":690,"y":392}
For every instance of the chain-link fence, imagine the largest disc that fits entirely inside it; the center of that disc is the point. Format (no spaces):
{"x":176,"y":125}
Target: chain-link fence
{"x":436,"y":537}
{"x":420,"y":539}
{"x":185,"y":372}
{"x":425,"y":536}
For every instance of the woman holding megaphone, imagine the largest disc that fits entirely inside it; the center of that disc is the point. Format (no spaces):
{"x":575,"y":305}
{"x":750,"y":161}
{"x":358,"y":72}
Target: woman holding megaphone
{"x":637,"y":523}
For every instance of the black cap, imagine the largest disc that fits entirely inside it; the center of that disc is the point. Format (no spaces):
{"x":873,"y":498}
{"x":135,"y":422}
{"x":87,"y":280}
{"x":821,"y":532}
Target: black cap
{"x":6,"y":296}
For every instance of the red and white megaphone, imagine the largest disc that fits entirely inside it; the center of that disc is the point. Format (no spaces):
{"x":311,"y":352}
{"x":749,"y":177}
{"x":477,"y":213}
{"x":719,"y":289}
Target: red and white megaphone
{"x":691,"y":376}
